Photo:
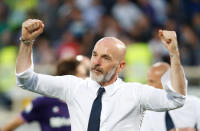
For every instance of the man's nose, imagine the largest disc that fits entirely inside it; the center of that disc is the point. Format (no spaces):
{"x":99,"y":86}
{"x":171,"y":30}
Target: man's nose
{"x":98,"y":61}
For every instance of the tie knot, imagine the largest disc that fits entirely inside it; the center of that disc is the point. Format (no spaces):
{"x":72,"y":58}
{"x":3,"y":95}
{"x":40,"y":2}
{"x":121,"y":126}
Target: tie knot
{"x":101,"y":91}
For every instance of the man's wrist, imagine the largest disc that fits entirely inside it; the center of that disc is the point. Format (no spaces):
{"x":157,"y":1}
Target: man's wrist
{"x":26,"y":42}
{"x":174,"y":53}
{"x":175,"y":58}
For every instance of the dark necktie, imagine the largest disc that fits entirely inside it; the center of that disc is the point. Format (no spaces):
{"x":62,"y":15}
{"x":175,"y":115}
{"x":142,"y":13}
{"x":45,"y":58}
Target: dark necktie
{"x":94,"y":120}
{"x":169,"y":121}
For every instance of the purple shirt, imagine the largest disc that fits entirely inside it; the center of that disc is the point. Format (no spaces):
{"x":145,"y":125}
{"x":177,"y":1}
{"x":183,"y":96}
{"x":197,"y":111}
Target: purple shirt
{"x":52,"y":114}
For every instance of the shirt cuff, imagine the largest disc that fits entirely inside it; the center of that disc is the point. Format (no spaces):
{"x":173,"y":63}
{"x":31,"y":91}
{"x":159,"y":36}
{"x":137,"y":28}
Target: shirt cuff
{"x":22,"y":77}
{"x":166,"y":83}
{"x":24,"y":74}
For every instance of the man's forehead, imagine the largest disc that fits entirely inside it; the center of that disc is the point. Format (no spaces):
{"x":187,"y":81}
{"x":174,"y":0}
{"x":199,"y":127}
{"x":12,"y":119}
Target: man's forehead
{"x":104,"y":50}
{"x":155,"y":72}
{"x":103,"y":43}
{"x":153,"y":77}
{"x":111,"y":46}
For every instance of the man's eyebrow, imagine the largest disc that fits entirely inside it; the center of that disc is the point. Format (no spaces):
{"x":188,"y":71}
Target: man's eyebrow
{"x":104,"y":55}
{"x":107,"y":56}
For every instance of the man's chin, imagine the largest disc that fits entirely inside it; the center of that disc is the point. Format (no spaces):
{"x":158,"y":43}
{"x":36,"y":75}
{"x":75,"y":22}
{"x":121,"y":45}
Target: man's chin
{"x":96,"y":77}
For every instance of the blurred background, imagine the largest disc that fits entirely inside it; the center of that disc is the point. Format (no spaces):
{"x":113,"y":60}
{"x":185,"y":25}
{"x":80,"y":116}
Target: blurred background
{"x":72,"y":27}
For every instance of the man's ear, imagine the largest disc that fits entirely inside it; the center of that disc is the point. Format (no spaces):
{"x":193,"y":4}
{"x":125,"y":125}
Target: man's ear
{"x":121,"y":66}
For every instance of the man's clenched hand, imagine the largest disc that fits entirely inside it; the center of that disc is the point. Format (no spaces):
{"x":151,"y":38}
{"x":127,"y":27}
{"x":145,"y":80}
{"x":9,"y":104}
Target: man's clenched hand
{"x":170,"y":41}
{"x":31,"y":29}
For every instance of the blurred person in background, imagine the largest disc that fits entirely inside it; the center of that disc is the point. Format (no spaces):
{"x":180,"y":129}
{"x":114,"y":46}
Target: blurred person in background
{"x":48,"y":10}
{"x":68,"y":47}
{"x":191,"y":7}
{"x":3,"y":18}
{"x":171,"y":24}
{"x":138,"y":60}
{"x":196,"y":23}
{"x":186,"y":118}
{"x":77,"y":24}
{"x":83,"y":5}
{"x":148,"y":10}
{"x":86,"y":46}
{"x":176,"y":10}
{"x":51,"y":113}
{"x":65,"y":15}
{"x":112,"y":27}
{"x":43,"y":52}
{"x":158,"y":50}
{"x":190,"y":47}
{"x":18,"y":11}
{"x":126,"y":13}
{"x":104,"y":92}
{"x":160,"y":10}
{"x":93,"y":13}
{"x":142,"y":30}
{"x":8,"y":54}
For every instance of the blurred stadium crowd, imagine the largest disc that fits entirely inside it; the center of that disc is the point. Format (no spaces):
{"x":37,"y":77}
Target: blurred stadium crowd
{"x":73,"y":26}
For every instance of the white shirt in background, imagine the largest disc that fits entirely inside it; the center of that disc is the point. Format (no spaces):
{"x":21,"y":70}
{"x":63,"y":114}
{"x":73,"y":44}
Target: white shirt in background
{"x":187,"y":116}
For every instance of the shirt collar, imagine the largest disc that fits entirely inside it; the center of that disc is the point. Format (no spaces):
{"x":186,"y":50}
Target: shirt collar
{"x":110,"y":89}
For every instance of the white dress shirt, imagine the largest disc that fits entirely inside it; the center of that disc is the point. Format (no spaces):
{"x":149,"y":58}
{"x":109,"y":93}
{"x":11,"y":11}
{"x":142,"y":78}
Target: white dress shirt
{"x":123,"y":103}
{"x":187,"y":116}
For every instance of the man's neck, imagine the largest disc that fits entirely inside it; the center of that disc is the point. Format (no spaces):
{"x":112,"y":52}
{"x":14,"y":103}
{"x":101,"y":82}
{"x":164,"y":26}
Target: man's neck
{"x":109,"y":82}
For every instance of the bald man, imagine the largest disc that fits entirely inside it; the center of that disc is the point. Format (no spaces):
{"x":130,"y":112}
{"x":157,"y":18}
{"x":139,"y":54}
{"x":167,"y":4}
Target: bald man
{"x":155,"y":74}
{"x":103,"y":102}
{"x":186,"y":118}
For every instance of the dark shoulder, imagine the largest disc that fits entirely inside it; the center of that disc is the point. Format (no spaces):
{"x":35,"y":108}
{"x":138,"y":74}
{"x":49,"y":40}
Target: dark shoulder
{"x":43,"y":100}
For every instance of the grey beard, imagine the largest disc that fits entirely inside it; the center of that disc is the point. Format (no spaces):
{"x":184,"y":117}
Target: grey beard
{"x":103,"y":78}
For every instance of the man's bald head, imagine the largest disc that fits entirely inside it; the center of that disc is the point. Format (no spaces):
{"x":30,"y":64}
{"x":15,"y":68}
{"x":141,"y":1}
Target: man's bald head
{"x":155,"y":74}
{"x":117,"y":48}
{"x":159,"y":68}
{"x":107,"y":60}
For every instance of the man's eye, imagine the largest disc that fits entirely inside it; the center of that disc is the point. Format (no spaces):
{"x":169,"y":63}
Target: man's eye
{"x":107,"y":58}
